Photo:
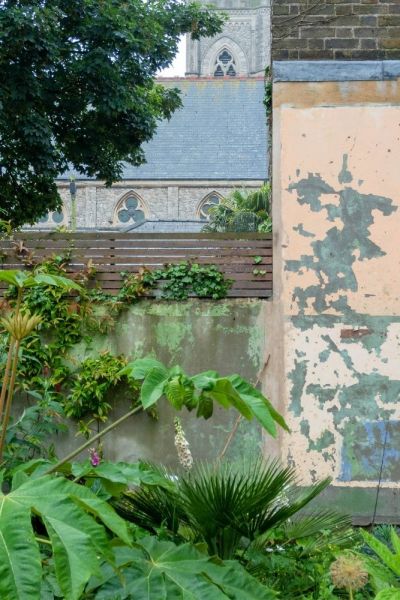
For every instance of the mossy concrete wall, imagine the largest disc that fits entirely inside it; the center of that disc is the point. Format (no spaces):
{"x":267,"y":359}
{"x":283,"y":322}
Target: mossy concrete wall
{"x":336,"y":282}
{"x":229,"y":336}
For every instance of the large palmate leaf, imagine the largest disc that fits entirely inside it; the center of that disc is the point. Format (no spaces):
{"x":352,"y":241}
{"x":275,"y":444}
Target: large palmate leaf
{"x":25,"y":279}
{"x":155,"y":570}
{"x":201,"y":391}
{"x":66,"y":510}
{"x":20,"y":567}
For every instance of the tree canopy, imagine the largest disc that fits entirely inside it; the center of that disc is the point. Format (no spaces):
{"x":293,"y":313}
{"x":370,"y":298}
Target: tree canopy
{"x":78,"y":90}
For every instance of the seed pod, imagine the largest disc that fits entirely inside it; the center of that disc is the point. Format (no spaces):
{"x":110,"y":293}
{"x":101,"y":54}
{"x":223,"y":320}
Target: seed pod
{"x":21,"y":325}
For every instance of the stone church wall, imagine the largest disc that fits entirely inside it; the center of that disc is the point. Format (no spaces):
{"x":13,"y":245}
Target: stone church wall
{"x":246,"y":34}
{"x":97,"y":206}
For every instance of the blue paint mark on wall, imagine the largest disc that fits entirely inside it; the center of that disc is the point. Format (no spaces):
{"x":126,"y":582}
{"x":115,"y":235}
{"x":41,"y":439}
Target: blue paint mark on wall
{"x":369,"y":446}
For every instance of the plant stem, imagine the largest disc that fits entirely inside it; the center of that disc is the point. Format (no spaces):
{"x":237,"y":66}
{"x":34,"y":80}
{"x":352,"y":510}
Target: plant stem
{"x":351,"y":594}
{"x":6,"y":377}
{"x":92,"y":440}
{"x":229,"y":439}
{"x":9,"y":358}
{"x":237,"y":422}
{"x":9,"y":397}
{"x":43,"y":540}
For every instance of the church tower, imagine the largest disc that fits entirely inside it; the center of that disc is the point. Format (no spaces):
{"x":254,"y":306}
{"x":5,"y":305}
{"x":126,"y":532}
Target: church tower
{"x":242,"y":48}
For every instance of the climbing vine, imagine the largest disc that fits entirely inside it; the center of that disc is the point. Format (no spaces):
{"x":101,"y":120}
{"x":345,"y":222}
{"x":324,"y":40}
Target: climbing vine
{"x":47,"y":367}
{"x":89,"y":397}
{"x":189,"y":279}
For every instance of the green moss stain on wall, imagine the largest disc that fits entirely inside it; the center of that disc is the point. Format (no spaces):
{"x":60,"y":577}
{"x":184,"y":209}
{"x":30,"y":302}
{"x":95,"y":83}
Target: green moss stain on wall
{"x":228,"y":336}
{"x":174,"y":335}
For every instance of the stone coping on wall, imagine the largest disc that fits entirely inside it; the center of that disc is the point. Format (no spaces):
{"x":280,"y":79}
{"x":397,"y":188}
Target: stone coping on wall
{"x":336,"y":70}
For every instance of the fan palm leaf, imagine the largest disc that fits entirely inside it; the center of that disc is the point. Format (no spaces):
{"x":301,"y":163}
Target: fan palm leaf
{"x":222,"y":506}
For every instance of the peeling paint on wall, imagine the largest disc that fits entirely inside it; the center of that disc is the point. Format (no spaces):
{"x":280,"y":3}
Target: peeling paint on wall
{"x":347,"y":241}
{"x":337,"y":260}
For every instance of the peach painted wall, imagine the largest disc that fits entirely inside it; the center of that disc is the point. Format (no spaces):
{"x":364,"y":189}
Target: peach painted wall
{"x":336,"y":149}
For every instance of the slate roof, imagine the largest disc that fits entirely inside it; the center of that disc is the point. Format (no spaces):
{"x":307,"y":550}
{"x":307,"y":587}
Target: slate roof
{"x":219,"y":133}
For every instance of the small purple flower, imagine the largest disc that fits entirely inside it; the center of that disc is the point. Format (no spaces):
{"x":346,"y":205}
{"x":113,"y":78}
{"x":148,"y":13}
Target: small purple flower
{"x":94,"y":457}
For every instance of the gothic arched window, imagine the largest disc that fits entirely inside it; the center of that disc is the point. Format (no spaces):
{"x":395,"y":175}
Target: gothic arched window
{"x":206,"y":204}
{"x":129,"y":210}
{"x":224,"y":64}
{"x":53,"y":218}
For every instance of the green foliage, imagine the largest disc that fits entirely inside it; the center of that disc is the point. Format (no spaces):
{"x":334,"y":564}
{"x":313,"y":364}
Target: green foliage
{"x":62,"y":516}
{"x":59,"y":522}
{"x":201,"y":391}
{"x":92,"y":383}
{"x":189,"y":279}
{"x":268,"y":93}
{"x":155,"y":569}
{"x":106,"y":479}
{"x":78,"y":90}
{"x":295,"y":557}
{"x":28,"y":437}
{"x":25,"y":279}
{"x":19,"y":326}
{"x":242,"y":211}
{"x":223,"y":507}
{"x":66,"y":320}
{"x":384,"y":569}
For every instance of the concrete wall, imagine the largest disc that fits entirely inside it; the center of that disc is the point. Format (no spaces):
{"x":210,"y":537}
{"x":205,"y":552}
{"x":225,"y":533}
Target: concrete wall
{"x":228,"y":336}
{"x":335,"y":29}
{"x":336,"y":180}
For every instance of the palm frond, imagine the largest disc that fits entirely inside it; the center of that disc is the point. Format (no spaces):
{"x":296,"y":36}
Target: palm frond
{"x":241,"y":210}
{"x":221,"y":502}
{"x":260,"y":199}
{"x":152,"y":506}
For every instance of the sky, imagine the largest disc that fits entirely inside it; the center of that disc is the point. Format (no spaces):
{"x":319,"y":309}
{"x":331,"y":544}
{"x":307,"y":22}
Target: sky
{"x":178,"y":67}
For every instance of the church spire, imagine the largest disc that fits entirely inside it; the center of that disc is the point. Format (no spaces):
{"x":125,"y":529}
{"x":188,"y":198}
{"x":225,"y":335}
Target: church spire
{"x":242,"y":48}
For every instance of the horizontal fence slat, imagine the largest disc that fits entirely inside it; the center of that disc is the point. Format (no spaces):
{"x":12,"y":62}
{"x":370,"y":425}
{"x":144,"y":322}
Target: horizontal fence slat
{"x":58,"y":245}
{"x":240,"y":256}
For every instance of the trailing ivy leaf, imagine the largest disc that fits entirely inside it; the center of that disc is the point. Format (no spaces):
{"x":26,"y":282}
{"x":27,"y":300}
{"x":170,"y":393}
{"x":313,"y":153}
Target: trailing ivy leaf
{"x":155,"y":570}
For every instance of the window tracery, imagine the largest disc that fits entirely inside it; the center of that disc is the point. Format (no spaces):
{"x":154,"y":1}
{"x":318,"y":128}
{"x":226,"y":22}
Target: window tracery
{"x":54,"y":217}
{"x":130,"y":210}
{"x":208,"y":203}
{"x":225,"y":64}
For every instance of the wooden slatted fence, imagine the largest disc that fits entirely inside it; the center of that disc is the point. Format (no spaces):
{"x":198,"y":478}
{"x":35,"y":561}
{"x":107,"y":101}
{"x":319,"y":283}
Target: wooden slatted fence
{"x":246,"y":258}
